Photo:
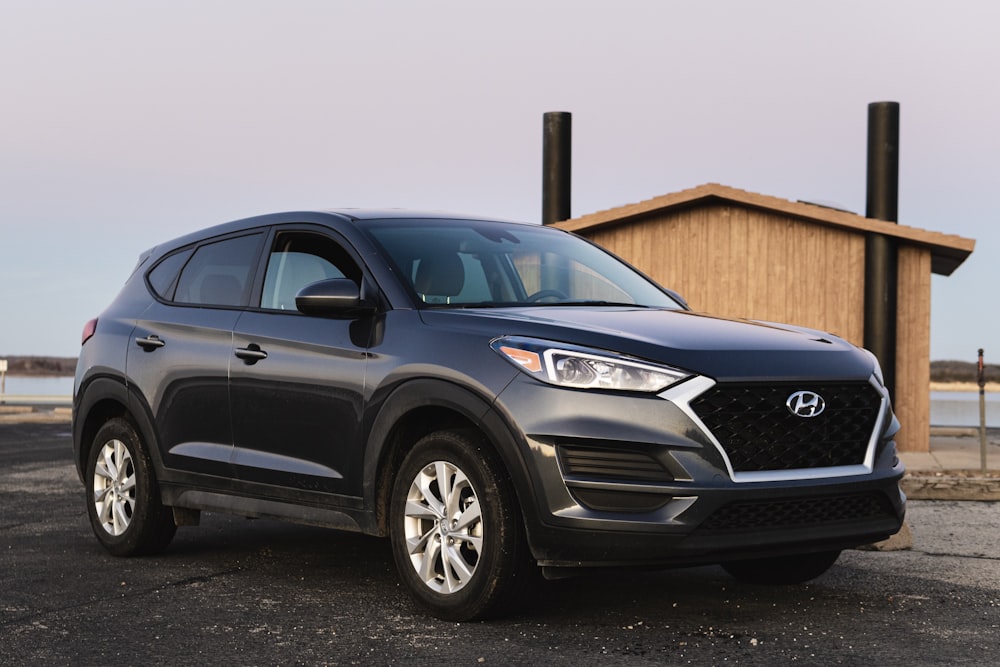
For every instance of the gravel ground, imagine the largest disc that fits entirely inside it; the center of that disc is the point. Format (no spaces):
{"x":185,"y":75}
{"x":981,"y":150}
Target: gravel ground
{"x":262,"y":592}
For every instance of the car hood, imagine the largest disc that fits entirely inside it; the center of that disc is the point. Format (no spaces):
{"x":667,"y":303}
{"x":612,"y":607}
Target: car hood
{"x":725,"y":349}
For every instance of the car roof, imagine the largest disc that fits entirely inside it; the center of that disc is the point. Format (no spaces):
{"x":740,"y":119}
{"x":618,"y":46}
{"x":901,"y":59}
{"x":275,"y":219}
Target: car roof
{"x":356,"y":216}
{"x":407,"y":214}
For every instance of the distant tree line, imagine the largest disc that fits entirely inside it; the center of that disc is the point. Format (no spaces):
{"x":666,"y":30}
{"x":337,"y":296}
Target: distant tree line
{"x":962,"y":371}
{"x":41,"y":365}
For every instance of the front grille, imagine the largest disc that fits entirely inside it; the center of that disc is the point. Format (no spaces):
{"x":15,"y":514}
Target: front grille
{"x":797,"y":512}
{"x":758,"y":433}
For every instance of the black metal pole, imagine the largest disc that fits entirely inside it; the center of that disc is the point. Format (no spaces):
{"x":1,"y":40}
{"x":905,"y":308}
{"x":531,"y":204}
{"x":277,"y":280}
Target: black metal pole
{"x":557,"y":129}
{"x":883,"y":161}
{"x":880,"y":251}
{"x":982,"y":413}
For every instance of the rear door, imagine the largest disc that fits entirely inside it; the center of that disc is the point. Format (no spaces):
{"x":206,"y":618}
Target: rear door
{"x":178,"y":359}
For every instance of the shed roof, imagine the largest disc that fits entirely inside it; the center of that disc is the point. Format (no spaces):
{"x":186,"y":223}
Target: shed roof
{"x":948,"y":251}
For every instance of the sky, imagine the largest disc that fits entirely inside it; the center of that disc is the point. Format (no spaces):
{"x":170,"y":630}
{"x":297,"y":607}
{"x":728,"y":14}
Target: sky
{"x":124,"y":124}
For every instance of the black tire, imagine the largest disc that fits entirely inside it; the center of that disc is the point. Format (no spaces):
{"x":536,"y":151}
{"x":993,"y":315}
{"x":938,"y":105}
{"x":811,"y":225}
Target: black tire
{"x":123,"y":501}
{"x":460,"y":550}
{"x":782,"y":570}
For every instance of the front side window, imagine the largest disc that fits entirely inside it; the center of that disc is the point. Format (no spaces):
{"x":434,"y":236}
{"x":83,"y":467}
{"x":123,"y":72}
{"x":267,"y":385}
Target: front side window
{"x":299,"y":259}
{"x":218,"y":273}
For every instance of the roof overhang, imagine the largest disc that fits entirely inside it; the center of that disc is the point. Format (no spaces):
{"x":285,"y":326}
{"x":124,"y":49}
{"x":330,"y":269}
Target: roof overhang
{"x":947,"y":250}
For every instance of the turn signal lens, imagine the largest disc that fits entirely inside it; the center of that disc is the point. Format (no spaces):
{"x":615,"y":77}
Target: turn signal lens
{"x":529,"y":361}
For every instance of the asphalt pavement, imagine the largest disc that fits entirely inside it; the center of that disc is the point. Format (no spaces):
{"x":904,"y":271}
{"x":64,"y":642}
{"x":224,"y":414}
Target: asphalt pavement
{"x":263,"y":592}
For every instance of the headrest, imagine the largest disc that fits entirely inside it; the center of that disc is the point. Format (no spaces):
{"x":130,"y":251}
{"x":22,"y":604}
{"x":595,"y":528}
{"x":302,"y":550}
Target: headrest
{"x":441,"y":274}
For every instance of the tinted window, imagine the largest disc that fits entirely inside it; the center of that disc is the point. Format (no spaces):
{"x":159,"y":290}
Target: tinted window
{"x":218,"y":273}
{"x":163,"y":277}
{"x":475,"y":262}
{"x":300,"y":259}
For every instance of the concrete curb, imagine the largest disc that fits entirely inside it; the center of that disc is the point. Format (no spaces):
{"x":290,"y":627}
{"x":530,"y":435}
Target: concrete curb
{"x":901,"y":541}
{"x":952,"y":485}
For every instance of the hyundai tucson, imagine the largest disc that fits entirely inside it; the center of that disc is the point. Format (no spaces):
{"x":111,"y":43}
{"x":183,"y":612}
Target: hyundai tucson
{"x":500,"y":400}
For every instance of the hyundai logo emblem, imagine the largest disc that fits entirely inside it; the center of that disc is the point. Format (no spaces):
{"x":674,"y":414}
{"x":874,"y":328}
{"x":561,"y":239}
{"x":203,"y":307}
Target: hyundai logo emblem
{"x":805,"y":404}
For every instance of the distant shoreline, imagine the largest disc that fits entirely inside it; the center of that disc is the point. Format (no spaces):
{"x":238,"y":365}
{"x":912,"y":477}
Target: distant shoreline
{"x":964,"y":386}
{"x":30,"y":366}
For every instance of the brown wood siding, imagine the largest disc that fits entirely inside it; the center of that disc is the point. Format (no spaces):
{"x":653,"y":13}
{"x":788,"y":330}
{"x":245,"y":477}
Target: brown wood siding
{"x":745,"y":263}
{"x":912,"y":400}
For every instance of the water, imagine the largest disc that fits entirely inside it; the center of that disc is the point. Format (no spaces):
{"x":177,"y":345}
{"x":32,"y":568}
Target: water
{"x":961,"y":408}
{"x":18,"y":385}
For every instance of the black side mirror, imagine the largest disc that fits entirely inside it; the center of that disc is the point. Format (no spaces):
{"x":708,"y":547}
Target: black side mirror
{"x":336,"y":296}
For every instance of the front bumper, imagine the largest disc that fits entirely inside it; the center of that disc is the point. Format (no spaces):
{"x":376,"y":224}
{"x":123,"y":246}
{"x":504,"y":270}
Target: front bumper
{"x":639,"y":480}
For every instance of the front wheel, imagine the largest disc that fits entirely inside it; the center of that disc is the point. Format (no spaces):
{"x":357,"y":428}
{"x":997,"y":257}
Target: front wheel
{"x":456,"y":533}
{"x":784,"y":569}
{"x":123,"y":502}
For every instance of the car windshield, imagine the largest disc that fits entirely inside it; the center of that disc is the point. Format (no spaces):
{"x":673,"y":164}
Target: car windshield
{"x":489,"y":264}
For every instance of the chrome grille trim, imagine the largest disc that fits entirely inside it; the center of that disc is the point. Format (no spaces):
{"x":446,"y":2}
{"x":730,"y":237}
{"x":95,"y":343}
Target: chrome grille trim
{"x":683,"y":394}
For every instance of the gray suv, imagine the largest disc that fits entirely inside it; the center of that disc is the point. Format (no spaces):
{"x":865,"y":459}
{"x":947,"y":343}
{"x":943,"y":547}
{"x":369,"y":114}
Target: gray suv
{"x":500,"y":400}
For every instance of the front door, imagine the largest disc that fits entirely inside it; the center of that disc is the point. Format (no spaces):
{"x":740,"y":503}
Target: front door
{"x":297,"y":381}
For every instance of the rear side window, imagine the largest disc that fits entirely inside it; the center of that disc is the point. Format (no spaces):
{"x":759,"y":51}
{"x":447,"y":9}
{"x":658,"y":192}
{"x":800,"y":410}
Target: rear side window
{"x":218,"y":273}
{"x":163,"y":277}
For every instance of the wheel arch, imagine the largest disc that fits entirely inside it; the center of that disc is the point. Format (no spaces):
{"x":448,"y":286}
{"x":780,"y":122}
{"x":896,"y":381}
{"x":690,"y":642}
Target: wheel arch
{"x":420,"y":407}
{"x":102,"y":399}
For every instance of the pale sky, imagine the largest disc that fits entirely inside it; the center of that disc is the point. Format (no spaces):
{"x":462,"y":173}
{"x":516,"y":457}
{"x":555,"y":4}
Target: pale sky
{"x":127,"y":123}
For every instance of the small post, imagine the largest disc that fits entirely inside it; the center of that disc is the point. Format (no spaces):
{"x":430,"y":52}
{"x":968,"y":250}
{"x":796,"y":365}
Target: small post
{"x":982,"y":413}
{"x":3,"y":380}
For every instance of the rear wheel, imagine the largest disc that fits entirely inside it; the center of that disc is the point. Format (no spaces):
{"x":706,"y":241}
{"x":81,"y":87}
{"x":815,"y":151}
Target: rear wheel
{"x":456,"y":533}
{"x":784,"y":569}
{"x":123,"y":502}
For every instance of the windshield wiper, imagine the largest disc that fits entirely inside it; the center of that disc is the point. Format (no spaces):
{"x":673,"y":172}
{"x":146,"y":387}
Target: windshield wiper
{"x":586,"y":302}
{"x":477,"y":304}
{"x":538,"y":304}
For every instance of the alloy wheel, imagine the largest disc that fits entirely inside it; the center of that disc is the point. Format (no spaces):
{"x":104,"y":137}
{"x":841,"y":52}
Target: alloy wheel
{"x":443,"y":527}
{"x":114,"y":487}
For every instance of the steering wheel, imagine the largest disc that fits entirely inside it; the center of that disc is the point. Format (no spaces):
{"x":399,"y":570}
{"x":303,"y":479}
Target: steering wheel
{"x":547,"y":293}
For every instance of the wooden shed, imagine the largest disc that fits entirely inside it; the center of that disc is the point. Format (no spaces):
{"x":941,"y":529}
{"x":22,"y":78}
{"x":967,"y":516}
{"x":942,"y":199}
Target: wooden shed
{"x":740,"y":254}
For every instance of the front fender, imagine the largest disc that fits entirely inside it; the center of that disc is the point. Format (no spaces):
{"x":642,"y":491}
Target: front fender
{"x":433,"y":393}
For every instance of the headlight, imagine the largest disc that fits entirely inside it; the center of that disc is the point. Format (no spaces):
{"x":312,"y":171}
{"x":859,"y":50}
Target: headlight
{"x":581,"y":368}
